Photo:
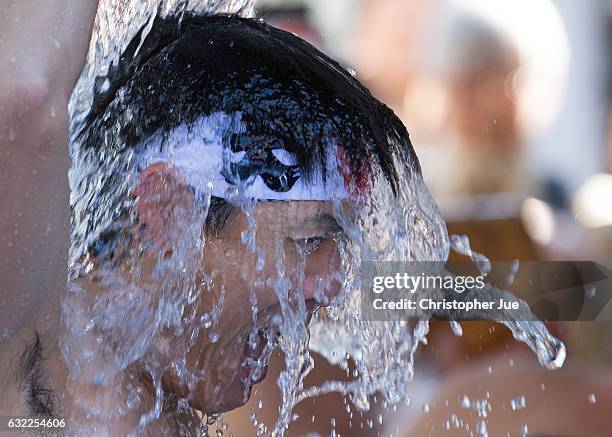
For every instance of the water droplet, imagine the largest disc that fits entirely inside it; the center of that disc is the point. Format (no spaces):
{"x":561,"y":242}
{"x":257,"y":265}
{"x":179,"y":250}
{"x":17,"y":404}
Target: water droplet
{"x":481,"y":428}
{"x":592,"y":398}
{"x":456,"y":328}
{"x":591,"y":292}
{"x":206,"y":320}
{"x":261,"y":262}
{"x":455,"y":421}
{"x":351,"y":71}
{"x":518,"y":403}
{"x":525,"y":431}
{"x":464,"y":401}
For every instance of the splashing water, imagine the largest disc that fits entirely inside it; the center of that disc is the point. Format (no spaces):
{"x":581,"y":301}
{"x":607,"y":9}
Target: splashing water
{"x":128,"y":313}
{"x":116,"y":23}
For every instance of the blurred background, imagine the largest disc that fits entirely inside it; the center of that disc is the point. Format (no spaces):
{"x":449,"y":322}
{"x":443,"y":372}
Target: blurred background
{"x":509,"y":108}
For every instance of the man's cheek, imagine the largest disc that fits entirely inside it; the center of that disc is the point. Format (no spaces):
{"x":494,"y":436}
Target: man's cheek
{"x":322,"y":271}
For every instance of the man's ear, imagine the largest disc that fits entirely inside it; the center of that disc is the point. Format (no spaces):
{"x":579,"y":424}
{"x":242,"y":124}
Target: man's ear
{"x":163,"y":201}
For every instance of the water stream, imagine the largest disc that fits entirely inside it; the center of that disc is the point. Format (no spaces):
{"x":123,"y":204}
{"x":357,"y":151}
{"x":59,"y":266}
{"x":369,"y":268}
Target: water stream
{"x":125,"y":316}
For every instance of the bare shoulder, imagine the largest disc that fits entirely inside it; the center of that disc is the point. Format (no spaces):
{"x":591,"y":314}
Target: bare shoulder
{"x":42,"y":53}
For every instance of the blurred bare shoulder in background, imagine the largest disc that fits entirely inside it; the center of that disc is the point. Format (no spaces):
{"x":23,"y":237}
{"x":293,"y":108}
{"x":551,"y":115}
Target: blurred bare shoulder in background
{"x":517,"y":397}
{"x":42,"y":52}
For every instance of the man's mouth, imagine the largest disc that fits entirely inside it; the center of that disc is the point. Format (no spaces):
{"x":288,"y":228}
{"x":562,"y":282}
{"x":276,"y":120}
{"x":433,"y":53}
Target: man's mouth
{"x":259,"y":345}
{"x":257,"y":349}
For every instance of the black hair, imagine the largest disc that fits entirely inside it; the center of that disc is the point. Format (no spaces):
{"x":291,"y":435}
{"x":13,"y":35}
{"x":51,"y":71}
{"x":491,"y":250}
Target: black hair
{"x":33,"y":381}
{"x":286,"y":90}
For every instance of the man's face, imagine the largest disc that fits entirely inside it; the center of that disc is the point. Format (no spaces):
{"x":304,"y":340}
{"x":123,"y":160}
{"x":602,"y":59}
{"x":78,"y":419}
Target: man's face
{"x":297,"y":238}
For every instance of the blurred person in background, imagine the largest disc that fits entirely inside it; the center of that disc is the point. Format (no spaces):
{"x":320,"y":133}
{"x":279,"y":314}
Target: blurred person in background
{"x":474,"y":78}
{"x":469,"y":78}
{"x":512,"y":397}
{"x":474,"y":81}
{"x":592,"y":203}
{"x":383,"y":47}
{"x":480,"y":150}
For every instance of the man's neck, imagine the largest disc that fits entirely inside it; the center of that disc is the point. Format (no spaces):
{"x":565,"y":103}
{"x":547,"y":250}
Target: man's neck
{"x":110,"y":402}
{"x":34,"y":382}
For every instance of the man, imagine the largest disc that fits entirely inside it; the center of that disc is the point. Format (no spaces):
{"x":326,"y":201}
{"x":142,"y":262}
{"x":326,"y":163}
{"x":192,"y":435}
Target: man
{"x":206,"y":184}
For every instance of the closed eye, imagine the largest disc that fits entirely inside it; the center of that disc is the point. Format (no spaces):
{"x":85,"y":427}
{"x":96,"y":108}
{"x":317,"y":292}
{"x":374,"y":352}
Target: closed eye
{"x":309,"y":245}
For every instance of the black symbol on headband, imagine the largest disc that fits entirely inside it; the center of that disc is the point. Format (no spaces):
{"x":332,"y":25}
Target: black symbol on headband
{"x":258,"y":159}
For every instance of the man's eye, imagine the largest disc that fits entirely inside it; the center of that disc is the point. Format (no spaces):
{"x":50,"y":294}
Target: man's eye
{"x":309,"y":245}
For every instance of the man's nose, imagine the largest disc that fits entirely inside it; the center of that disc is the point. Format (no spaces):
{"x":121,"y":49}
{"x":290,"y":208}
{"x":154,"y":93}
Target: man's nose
{"x":321,"y":273}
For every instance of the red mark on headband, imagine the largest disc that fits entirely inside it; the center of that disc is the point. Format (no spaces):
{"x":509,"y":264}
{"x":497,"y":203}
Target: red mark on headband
{"x":356,"y":180}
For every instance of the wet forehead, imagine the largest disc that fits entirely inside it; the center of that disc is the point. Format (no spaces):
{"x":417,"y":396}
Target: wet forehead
{"x":283,"y":218}
{"x":287,"y":219}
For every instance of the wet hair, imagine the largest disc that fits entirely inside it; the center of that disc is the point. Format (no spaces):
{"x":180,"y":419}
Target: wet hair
{"x":33,"y":381}
{"x":286,"y":90}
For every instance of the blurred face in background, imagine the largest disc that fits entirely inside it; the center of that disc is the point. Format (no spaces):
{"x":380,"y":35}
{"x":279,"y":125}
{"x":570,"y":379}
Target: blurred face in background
{"x":386,"y":39}
{"x":483,"y":108}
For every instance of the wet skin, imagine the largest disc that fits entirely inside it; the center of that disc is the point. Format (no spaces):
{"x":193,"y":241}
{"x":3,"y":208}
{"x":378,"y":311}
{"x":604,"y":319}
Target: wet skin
{"x":220,"y":373}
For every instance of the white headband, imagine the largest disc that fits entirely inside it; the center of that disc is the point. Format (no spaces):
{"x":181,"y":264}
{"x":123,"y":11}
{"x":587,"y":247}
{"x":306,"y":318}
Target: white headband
{"x":197,"y":150}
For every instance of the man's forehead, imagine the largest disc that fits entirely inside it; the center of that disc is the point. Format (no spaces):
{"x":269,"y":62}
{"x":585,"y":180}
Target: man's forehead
{"x":291,"y":215}
{"x":296,"y":209}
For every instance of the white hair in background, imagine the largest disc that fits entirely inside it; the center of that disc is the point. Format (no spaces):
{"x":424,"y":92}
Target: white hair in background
{"x":466,"y":34}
